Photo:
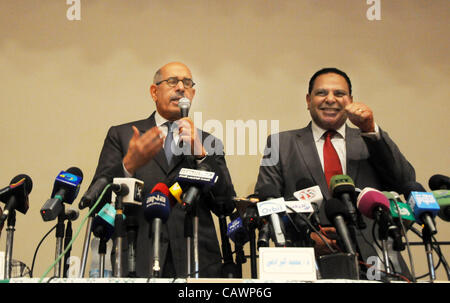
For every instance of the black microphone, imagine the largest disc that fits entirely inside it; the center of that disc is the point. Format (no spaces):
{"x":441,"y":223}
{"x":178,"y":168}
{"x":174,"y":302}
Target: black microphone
{"x":277,"y":230}
{"x":437,"y":182}
{"x":94,"y":191}
{"x":184,"y":104}
{"x":194,"y":182}
{"x":16,"y":197}
{"x":337,"y":213}
{"x":65,"y":190}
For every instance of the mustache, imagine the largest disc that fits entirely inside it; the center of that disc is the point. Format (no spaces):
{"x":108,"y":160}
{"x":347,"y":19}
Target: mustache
{"x":177,"y":97}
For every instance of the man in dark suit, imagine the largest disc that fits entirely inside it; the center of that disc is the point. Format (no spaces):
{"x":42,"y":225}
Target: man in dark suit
{"x":366,"y":154}
{"x":137,"y":150}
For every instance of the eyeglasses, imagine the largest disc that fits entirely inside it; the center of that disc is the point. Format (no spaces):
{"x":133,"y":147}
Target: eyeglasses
{"x":173,"y":81}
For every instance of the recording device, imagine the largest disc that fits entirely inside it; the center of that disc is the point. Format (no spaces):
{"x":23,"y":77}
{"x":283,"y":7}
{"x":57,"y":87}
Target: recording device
{"x":423,"y":204}
{"x":337,"y":213}
{"x":184,"y":104}
{"x":65,"y":190}
{"x":15,"y":196}
{"x":437,"y":182}
{"x":442,"y":197}
{"x":373,"y":204}
{"x":157,"y":210}
{"x":271,"y":205}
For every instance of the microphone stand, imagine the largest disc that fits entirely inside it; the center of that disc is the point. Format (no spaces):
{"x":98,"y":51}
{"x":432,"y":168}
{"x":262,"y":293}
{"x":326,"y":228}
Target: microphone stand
{"x":67,"y":239}
{"x":383,"y":229}
{"x":119,"y":234}
{"x":131,"y":228}
{"x":59,"y":241}
{"x":426,"y":236}
{"x":102,"y":253}
{"x":188,"y":231}
{"x":9,"y":243}
{"x":196,"y":263}
{"x":87,"y":240}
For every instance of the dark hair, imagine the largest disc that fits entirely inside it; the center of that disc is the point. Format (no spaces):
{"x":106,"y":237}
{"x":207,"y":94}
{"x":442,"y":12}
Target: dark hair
{"x":329,"y":70}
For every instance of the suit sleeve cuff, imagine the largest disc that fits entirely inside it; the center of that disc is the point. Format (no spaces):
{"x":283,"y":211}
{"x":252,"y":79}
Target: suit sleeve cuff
{"x":373,"y":135}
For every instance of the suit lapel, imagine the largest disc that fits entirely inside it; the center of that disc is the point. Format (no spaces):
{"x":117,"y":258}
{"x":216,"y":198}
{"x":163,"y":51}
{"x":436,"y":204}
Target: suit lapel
{"x":308,"y":151}
{"x":160,"y":157}
{"x":353,"y":146}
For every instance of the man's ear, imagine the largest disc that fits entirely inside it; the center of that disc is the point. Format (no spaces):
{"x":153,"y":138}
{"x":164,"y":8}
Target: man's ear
{"x":308,"y":100}
{"x":153,"y":88}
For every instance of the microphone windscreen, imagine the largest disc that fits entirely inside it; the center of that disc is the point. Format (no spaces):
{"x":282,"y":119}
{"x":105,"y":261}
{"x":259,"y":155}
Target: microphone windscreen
{"x":268,"y":191}
{"x":335,"y":207}
{"x":437,"y":182}
{"x":161,"y":187}
{"x":101,"y":228}
{"x":28,"y":182}
{"x":411,"y":186}
{"x":75,"y":171}
{"x":303,"y":183}
{"x":157,"y":204}
{"x":369,"y":199}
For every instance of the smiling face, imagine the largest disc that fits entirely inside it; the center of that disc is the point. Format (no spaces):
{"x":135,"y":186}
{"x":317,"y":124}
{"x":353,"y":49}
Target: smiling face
{"x":327,"y":101}
{"x":166,"y":97}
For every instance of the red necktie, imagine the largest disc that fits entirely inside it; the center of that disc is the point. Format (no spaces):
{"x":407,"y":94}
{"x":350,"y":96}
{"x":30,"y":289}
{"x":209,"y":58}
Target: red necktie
{"x":331,"y":163}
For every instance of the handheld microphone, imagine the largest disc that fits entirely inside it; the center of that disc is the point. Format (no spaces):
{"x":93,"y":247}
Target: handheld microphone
{"x":65,"y":190}
{"x":437,"y":182}
{"x":337,"y":213}
{"x":157,"y":210}
{"x":443,"y":199}
{"x":16,"y":196}
{"x":184,"y":104}
{"x":271,"y":205}
{"x":343,"y":188}
{"x":423,"y":204}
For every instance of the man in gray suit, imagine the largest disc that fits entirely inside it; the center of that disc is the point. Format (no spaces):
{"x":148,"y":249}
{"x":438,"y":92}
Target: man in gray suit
{"x":366,"y":154}
{"x":137,"y":150}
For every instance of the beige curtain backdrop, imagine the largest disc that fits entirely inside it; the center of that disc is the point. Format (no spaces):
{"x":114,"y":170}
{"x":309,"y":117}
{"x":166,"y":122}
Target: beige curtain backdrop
{"x":64,"y":83}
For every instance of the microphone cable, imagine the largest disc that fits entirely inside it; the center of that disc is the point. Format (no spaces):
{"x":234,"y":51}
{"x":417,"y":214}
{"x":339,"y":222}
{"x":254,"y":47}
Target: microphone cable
{"x":310,"y":225}
{"x":435,"y":246}
{"x":76,"y":234}
{"x":37,"y":248}
{"x":408,"y":248}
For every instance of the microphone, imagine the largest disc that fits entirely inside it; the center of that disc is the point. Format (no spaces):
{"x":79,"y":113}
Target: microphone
{"x":374,"y":205}
{"x":15,"y":196}
{"x":94,"y":191}
{"x":184,"y":104}
{"x":263,"y":235}
{"x":103,"y":223}
{"x":337,"y":213}
{"x":194,"y":181}
{"x":343,"y":188}
{"x":157,"y":211}
{"x":423,"y":204}
{"x":271,"y":205}
{"x":65,"y":190}
{"x":237,"y":232}
{"x":443,"y":199}
{"x":439,"y":182}
{"x":71,"y":214}
{"x":406,"y":213}
{"x":129,"y":189}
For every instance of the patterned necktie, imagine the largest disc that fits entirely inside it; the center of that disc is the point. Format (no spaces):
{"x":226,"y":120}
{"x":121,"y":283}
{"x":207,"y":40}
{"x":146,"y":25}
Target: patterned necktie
{"x":168,"y":143}
{"x":331,"y":163}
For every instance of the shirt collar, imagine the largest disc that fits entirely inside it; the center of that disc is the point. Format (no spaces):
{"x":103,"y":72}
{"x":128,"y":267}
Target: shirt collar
{"x":318,"y":131}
